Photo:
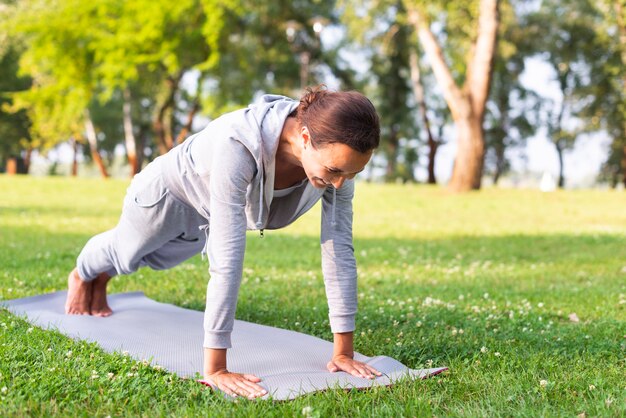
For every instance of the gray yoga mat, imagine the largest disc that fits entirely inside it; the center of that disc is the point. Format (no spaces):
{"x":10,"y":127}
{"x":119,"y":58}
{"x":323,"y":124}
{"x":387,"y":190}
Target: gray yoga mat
{"x":289,"y":363}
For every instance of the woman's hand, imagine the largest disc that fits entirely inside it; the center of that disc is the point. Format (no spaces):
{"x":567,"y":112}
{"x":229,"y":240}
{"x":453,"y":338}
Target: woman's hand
{"x":236,"y":384}
{"x":349,"y":365}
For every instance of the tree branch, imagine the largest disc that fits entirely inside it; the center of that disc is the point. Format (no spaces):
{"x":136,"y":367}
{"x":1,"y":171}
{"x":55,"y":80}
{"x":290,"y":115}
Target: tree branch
{"x":480,"y":68}
{"x":451,"y":91}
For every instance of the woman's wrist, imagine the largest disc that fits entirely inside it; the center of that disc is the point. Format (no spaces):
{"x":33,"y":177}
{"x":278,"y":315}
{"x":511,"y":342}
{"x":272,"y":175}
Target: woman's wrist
{"x":214,"y":361}
{"x":343,"y":344}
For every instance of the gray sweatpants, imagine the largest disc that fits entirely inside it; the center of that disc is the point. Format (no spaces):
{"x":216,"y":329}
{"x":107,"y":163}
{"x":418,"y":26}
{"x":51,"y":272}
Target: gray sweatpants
{"x":155,"y":229}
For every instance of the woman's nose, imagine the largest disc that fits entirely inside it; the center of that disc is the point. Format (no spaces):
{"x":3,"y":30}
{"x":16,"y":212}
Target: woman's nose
{"x":337,"y":182}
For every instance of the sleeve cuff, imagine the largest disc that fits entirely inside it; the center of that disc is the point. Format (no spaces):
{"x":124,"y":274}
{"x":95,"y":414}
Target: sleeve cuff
{"x":217,"y":339}
{"x":342,"y":324}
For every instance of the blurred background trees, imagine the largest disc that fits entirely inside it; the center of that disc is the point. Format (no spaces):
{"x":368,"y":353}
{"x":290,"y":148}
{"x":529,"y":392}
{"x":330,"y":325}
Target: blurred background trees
{"x":109,"y":75}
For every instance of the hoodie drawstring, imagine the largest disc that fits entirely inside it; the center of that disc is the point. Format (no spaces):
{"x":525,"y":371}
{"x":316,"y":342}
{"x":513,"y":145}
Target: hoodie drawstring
{"x":205,"y":228}
{"x":332,"y":221}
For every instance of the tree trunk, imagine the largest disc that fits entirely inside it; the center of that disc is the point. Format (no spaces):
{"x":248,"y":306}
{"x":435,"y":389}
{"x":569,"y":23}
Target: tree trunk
{"x":418,"y":91}
{"x":182,"y":135}
{"x":93,"y":144}
{"x":392,"y":155}
{"x":499,"y":150}
{"x":129,"y":135}
{"x":621,"y":23}
{"x":195,"y":107}
{"x":624,"y":164}
{"x":559,"y":151}
{"x":74,"y":170}
{"x":470,"y":154}
{"x":12,"y":164}
{"x":467,"y":105}
{"x":27,"y":157}
{"x":16,"y":165}
{"x":163,"y":139}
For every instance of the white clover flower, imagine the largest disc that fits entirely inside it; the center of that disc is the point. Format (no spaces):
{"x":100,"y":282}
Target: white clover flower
{"x":497,"y":354}
{"x":540,"y":305}
{"x":110,"y":375}
{"x":4,"y":389}
{"x":29,"y":330}
{"x":307,"y":411}
{"x":484,"y":349}
{"x":592,"y":387}
{"x":543,"y":383}
{"x":418,"y":324}
{"x":69,"y":353}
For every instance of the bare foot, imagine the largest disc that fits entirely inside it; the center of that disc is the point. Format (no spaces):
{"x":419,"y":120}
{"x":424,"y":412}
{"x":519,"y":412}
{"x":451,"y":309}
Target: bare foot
{"x":99,"y":305}
{"x":78,"y":295}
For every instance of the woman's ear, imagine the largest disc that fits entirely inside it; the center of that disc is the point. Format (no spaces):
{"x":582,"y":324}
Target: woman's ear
{"x":306,"y":136}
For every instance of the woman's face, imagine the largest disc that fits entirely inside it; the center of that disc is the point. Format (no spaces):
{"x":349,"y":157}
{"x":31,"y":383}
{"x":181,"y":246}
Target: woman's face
{"x":331,"y":163}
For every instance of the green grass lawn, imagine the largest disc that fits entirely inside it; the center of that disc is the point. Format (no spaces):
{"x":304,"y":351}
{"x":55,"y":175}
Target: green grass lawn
{"x":483,"y":283}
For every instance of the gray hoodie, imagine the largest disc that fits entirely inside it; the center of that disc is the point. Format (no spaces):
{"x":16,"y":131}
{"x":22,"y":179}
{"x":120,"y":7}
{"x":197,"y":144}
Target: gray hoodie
{"x":226,"y":172}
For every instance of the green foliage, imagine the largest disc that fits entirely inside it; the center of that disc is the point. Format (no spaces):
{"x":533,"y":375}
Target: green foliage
{"x":14,"y":127}
{"x":383,"y":30}
{"x":512,"y":110}
{"x":440,"y":277}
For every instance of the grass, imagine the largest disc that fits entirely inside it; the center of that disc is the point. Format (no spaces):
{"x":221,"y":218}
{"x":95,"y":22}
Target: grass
{"x":483,"y":283}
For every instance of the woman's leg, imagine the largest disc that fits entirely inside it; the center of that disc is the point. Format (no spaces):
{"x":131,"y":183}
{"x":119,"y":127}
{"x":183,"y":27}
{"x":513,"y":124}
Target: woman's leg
{"x":154,"y":230}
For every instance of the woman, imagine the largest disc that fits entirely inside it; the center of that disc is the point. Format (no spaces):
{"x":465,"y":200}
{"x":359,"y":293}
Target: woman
{"x":257,"y":168}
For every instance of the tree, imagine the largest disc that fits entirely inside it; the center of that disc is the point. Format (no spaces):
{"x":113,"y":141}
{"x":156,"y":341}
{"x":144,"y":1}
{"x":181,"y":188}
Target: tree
{"x":389,"y":67}
{"x":608,"y":111}
{"x":15,"y":140}
{"x":384,"y":38}
{"x":60,"y":61}
{"x":466,"y":102}
{"x":432,"y":141}
{"x":566,"y":34}
{"x":512,"y":110}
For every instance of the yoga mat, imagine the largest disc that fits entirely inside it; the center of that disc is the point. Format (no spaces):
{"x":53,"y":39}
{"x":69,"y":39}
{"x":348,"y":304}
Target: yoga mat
{"x":289,"y":363}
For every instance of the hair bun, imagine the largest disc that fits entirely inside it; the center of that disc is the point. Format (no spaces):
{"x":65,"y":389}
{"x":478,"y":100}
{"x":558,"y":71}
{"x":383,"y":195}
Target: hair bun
{"x":310,"y":96}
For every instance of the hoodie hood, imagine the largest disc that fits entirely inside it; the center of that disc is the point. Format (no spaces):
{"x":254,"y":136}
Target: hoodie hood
{"x":268,"y":113}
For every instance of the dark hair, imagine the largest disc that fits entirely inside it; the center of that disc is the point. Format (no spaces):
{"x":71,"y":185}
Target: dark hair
{"x":346,"y":117}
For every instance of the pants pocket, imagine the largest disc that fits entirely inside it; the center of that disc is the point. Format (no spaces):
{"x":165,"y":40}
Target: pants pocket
{"x":151,"y":193}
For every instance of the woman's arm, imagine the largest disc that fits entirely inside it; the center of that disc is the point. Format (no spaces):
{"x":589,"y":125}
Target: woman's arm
{"x":231,"y":170}
{"x":340,"y":278}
